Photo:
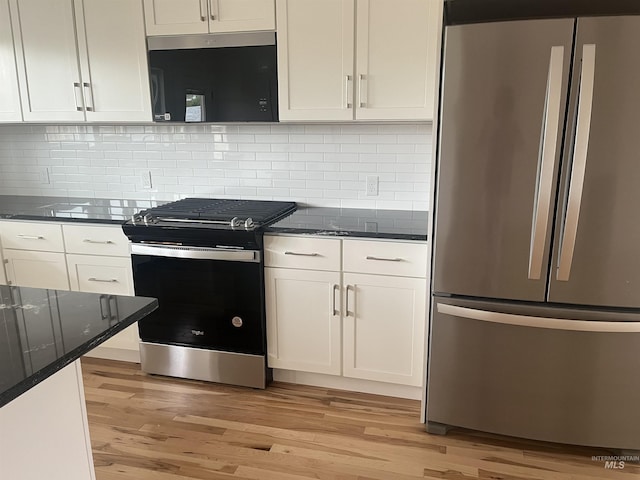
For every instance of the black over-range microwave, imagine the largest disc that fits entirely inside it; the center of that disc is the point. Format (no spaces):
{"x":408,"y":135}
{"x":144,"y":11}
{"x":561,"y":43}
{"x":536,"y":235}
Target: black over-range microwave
{"x":214,"y":78}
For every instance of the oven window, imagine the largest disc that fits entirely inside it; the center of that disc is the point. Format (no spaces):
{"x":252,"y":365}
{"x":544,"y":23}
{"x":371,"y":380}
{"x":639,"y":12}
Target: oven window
{"x":202,"y":303}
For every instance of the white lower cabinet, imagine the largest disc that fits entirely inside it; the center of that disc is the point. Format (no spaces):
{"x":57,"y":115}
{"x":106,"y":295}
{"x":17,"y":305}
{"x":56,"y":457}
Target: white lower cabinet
{"x":303,"y":312}
{"x":27,"y":268}
{"x":97,"y":260}
{"x":384,"y":328}
{"x":358,"y":324}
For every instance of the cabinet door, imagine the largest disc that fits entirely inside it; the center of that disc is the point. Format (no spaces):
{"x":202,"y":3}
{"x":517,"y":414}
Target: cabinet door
{"x":303,"y":320}
{"x":241,"y":15}
{"x":315,"y":59}
{"x":175,"y":17}
{"x":109,"y":275}
{"x":36,"y":269}
{"x":10,"y":110}
{"x":48,"y":72}
{"x":113,"y":59}
{"x":384,"y":328}
{"x":396,"y":59}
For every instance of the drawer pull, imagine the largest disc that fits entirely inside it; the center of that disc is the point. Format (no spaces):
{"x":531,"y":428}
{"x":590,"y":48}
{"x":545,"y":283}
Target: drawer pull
{"x":102,"y":242}
{"x":382,"y":259}
{"x":31,"y":237}
{"x":302,"y":254}
{"x":103,"y":280}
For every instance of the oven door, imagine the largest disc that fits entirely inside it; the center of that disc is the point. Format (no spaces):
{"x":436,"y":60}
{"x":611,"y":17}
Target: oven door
{"x":208,"y":298}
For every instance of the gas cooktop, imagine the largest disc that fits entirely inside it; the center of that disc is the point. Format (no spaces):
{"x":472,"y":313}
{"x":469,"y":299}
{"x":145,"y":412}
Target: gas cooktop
{"x":218,"y":213}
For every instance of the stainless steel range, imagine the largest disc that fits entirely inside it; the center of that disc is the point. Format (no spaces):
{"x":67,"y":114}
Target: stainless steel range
{"x":203,"y":260}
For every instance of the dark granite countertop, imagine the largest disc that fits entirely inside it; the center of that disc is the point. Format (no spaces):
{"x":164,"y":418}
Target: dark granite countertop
{"x":355,"y":222}
{"x":42,"y":331}
{"x":70,"y":209}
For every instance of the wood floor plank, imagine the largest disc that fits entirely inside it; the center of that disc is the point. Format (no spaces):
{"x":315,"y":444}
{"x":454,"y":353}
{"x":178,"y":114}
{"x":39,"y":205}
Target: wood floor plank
{"x":148,"y":427}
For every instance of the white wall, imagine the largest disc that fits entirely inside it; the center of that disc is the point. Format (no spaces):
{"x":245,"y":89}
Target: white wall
{"x":321,"y":165}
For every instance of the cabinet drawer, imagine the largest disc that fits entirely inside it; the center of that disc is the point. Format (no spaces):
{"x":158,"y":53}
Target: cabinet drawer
{"x":385,"y":258}
{"x":96,"y":240}
{"x":100,"y":274}
{"x":302,"y":252}
{"x":40,"y":236}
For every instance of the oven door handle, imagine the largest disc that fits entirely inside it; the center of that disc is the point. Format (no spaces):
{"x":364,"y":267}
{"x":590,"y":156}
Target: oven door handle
{"x":196,"y":253}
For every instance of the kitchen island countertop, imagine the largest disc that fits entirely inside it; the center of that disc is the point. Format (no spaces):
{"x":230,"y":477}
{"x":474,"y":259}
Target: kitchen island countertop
{"x":42,"y":331}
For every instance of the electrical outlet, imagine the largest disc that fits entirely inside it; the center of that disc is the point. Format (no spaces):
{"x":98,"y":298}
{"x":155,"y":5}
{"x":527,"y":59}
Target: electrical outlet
{"x":372,"y":185}
{"x":45,"y":179}
{"x":145,"y":177}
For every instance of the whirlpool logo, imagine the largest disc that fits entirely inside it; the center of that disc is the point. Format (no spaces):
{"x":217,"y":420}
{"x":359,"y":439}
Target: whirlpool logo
{"x":198,"y":333}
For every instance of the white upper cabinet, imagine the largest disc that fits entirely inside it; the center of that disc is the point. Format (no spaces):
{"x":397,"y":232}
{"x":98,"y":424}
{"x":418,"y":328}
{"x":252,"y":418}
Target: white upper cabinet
{"x":315,"y":59}
{"x":241,"y":15}
{"x":396,"y":58}
{"x":10,"y":110}
{"x":177,"y":17}
{"x":387,"y":72}
{"x":48,"y":71}
{"x":81,"y":60}
{"x":113,"y":60}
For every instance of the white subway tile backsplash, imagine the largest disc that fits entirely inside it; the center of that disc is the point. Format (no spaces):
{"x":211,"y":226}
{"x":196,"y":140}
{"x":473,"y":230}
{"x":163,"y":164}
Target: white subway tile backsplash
{"x":315,"y":164}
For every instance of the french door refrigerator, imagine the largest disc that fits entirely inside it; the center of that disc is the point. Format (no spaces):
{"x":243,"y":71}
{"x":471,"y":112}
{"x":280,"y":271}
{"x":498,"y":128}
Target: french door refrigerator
{"x":535,"y":312}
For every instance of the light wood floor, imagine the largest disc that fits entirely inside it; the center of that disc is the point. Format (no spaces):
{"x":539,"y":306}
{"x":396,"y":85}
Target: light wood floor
{"x":145,"y":427}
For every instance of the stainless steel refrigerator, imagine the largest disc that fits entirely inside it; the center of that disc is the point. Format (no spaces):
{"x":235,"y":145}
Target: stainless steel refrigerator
{"x":535,"y":313}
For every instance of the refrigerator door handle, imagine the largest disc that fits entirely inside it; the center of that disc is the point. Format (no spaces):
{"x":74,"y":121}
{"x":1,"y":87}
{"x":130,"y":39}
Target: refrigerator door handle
{"x":546,"y":162}
{"x":539,"y":322}
{"x":579,"y":162}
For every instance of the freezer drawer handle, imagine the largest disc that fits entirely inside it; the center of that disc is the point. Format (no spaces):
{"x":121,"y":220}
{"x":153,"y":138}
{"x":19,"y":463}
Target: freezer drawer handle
{"x":546,"y":163}
{"x":579,"y":163}
{"x":539,"y":322}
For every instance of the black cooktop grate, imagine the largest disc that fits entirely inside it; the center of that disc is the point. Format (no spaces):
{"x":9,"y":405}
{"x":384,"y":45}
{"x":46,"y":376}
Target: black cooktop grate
{"x":262,"y":212}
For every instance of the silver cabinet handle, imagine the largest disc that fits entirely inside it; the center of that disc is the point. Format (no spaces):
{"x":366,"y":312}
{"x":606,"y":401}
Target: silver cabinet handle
{"x":348,"y":313}
{"x":104,"y":307}
{"x":299,"y":254}
{"x":336,"y":288}
{"x":89,"y":94}
{"x":347,"y":104}
{"x":203,"y":16}
{"x":76,"y":90}
{"x":102,"y":280}
{"x":546,"y":162}
{"x":114,"y":314}
{"x":579,"y":163}
{"x":360,"y":102}
{"x":211,"y":10}
{"x":538,"y":322}
{"x":382,"y":259}
{"x":101,"y":242}
{"x":30,"y":237}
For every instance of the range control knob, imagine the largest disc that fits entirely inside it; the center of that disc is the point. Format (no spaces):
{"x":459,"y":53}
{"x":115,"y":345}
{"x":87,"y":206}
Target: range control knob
{"x":235,"y":222}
